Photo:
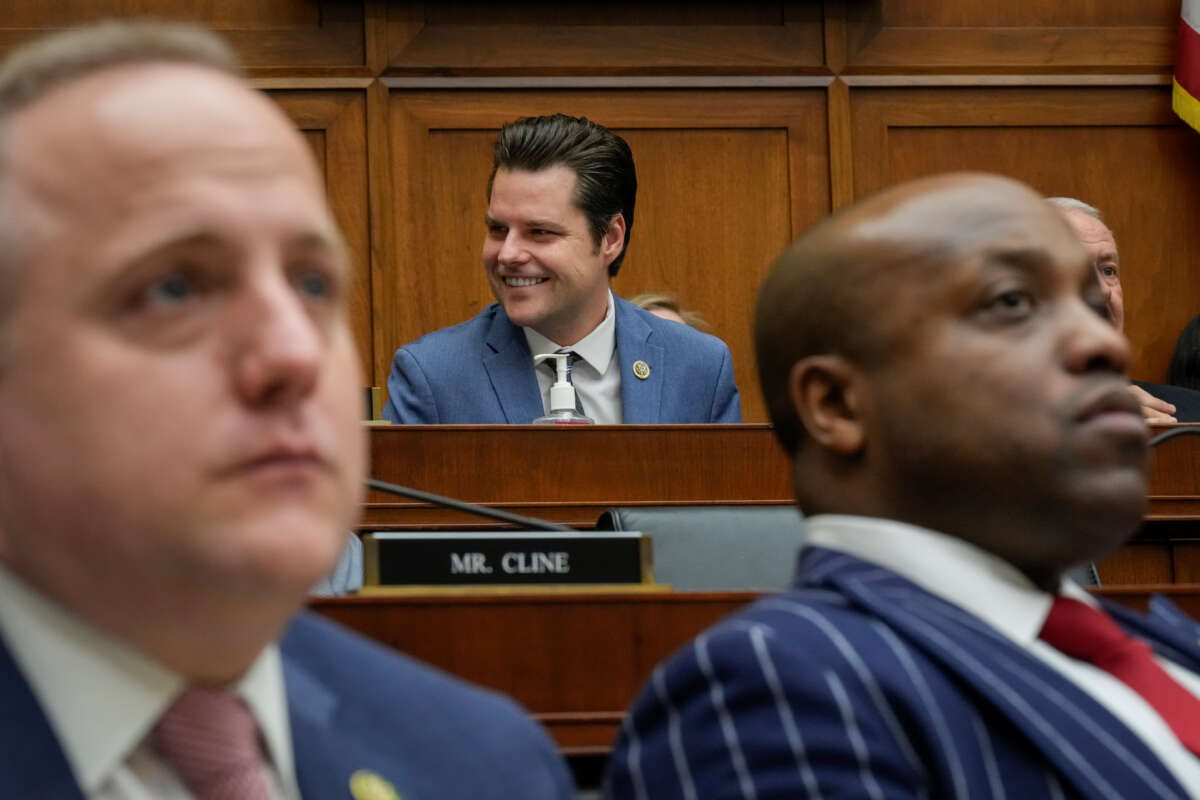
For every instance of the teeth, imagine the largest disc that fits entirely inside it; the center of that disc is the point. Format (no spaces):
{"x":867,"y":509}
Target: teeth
{"x":522,"y":281}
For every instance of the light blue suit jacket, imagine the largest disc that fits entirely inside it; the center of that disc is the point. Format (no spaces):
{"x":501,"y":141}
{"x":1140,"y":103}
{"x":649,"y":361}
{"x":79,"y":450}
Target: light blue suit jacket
{"x":481,"y":372}
{"x":352,"y":705}
{"x":857,"y":683}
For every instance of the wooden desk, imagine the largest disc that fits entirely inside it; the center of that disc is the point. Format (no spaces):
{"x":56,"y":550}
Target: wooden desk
{"x":571,"y":475}
{"x":575,"y":660}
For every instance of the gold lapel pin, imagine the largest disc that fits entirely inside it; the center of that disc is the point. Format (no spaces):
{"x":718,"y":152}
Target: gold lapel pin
{"x":367,"y":785}
{"x":641,"y":369}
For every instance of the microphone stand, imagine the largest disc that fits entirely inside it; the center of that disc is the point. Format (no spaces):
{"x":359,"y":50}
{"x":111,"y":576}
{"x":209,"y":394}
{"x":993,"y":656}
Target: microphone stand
{"x":469,"y":508}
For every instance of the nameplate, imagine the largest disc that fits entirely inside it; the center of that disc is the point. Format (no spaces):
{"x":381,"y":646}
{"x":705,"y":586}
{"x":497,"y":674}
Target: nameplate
{"x":479,"y":558}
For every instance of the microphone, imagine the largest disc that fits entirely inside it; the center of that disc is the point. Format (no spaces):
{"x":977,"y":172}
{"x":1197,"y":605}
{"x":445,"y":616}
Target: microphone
{"x":1183,"y":430}
{"x":469,"y":508}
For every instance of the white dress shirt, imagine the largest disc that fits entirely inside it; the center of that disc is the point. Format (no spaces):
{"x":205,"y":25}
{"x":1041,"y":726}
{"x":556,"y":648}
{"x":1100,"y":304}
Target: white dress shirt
{"x":596,"y":374}
{"x":1000,"y":595}
{"x":102,"y":698}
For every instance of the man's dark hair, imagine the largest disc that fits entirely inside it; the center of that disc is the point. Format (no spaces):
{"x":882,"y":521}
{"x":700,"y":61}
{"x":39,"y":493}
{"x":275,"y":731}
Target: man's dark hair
{"x":605,"y":178}
{"x":1184,"y":369}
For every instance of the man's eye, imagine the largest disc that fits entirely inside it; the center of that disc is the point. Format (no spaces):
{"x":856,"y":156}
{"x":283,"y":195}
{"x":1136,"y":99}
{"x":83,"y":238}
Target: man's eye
{"x":171,"y":289}
{"x":315,"y":284}
{"x":497,"y":230}
{"x":1011,"y":304}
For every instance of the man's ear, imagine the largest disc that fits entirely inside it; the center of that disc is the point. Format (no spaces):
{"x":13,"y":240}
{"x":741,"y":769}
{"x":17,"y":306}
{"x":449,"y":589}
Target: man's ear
{"x":614,"y":238}
{"x":826,"y":393}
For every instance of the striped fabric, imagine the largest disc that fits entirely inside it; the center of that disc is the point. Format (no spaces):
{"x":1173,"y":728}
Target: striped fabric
{"x":1185,"y":94}
{"x":210,"y":738}
{"x":858,"y":683}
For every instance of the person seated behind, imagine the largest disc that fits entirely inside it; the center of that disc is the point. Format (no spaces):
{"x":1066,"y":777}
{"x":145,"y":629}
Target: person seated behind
{"x":560,"y":212}
{"x":938,"y":366}
{"x":666,"y":306}
{"x":181,"y":455}
{"x":1160,"y":402}
{"x":1184,"y":369}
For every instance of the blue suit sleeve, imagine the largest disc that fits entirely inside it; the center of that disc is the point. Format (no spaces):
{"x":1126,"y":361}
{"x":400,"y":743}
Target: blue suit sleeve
{"x":410,"y":398}
{"x":727,"y":405}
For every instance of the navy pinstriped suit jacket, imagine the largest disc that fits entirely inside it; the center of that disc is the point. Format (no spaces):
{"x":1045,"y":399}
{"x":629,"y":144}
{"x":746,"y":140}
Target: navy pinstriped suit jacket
{"x":351,"y":705}
{"x":857,"y":683}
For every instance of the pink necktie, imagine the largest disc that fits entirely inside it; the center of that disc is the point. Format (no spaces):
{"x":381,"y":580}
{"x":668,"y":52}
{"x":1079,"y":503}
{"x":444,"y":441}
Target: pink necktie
{"x":210,"y":739}
{"x":1088,"y":634}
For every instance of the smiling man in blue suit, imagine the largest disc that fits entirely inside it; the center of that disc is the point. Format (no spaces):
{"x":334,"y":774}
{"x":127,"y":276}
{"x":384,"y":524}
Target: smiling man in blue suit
{"x":560,"y":212}
{"x":938,"y":365}
{"x":181,"y":455}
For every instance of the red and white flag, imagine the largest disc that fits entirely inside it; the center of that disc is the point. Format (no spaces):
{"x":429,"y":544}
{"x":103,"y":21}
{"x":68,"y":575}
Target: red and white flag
{"x":1185,"y":95}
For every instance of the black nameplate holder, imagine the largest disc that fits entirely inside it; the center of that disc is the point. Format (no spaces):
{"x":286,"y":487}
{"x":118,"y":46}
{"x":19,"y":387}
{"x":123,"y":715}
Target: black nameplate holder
{"x":506,"y":558}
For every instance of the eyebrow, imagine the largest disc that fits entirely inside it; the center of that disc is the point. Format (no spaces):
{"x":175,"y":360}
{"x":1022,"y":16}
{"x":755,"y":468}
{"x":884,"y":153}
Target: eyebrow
{"x":1020,"y":257}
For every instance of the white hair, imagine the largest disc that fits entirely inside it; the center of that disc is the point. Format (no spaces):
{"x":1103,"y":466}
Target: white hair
{"x":1071,"y":204}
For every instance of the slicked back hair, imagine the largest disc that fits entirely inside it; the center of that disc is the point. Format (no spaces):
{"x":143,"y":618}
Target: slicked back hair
{"x":605,"y":178}
{"x":35,"y":69}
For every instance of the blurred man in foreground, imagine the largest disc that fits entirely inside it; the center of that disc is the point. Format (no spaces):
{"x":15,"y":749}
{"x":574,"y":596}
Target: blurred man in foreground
{"x":937,"y":362}
{"x":181,"y":455}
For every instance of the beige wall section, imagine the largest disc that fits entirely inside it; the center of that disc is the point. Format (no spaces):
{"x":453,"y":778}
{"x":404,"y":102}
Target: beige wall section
{"x":738,"y":141}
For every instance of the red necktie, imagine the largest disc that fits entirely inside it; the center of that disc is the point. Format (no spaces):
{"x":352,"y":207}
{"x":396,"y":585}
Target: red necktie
{"x":210,"y":739}
{"x":1088,"y":634}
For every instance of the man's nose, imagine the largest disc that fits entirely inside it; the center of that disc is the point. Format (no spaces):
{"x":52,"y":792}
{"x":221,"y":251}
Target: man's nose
{"x":512,"y":249}
{"x":278,"y":345}
{"x":1092,"y":342}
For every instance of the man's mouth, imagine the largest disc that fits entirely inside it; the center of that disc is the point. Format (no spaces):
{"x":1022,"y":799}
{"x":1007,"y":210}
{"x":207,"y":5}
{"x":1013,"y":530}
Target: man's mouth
{"x":519,"y":282}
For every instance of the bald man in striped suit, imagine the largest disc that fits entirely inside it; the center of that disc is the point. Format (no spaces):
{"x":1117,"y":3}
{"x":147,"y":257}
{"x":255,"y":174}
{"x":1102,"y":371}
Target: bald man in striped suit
{"x":938,"y":365}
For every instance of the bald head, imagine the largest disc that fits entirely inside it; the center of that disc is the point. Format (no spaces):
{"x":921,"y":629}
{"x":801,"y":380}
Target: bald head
{"x":825,"y":294}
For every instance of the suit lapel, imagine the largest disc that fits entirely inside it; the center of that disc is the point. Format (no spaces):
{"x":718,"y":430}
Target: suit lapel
{"x":509,"y":367}
{"x":34,"y":762}
{"x":1171,"y":633}
{"x":641,"y":400}
{"x":1085,"y":742}
{"x":327,"y":747}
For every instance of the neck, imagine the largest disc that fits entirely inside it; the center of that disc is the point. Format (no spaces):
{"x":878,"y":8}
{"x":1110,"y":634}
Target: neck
{"x":575,"y":329}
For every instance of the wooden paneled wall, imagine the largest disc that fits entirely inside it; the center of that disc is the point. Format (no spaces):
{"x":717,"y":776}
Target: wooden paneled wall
{"x":748,"y":121}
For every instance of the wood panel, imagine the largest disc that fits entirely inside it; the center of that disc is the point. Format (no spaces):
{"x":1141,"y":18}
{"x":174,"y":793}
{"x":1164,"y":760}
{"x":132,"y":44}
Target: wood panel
{"x":575,"y":660}
{"x":725,"y":179}
{"x":625,"y":37}
{"x":287,"y":37}
{"x":1020,"y":36}
{"x":1119,"y":148}
{"x":334,"y":124}
{"x":624,"y":465}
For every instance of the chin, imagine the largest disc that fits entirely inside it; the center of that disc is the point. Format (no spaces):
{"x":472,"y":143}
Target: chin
{"x":291,"y":550}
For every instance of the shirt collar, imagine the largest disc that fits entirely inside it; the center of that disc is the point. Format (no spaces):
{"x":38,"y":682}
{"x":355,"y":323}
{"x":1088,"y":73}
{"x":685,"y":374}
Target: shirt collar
{"x":596,"y":349}
{"x":955,"y":570}
{"x":102,"y":697}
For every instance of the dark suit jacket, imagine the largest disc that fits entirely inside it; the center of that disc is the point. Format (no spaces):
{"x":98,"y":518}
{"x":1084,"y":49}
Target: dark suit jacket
{"x":858,"y":683}
{"x":352,"y":705}
{"x":1186,"y":401}
{"x":481,"y":372}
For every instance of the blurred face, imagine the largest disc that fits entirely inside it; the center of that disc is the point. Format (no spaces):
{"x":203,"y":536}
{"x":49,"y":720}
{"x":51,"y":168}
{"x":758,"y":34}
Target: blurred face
{"x":179,"y":415}
{"x":1098,"y":240}
{"x":1002,"y":415}
{"x":542,"y":262}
